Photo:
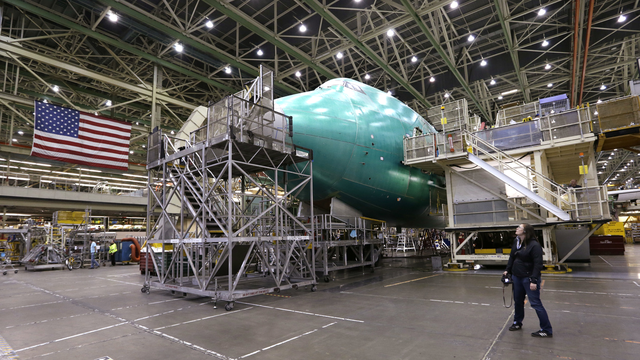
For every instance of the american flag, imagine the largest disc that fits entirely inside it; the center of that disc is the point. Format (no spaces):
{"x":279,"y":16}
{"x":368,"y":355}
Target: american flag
{"x":76,"y":137}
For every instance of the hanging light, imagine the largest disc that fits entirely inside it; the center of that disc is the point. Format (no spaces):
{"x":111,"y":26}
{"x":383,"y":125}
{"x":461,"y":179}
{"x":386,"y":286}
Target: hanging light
{"x":339,"y":55}
{"x":113,"y":17}
{"x":55,"y":88}
{"x":389,"y":93}
{"x":550,"y":85}
{"x":492,"y":82}
{"x":20,"y":132}
{"x":499,"y":97}
{"x":390,"y":32}
{"x":298,"y":74}
{"x":599,"y":101}
{"x":367,"y":77}
{"x":622,"y":18}
{"x":108,"y":103}
{"x":603,"y":87}
{"x":454,"y":4}
{"x":178,"y":47}
{"x":227,"y":70}
{"x":446,"y":95}
{"x":209,"y":24}
{"x":414,"y":59}
{"x":545,"y":43}
{"x":547,"y":67}
{"x":471,"y":38}
{"x":432,"y":79}
{"x":302,"y":28}
{"x":483,"y":62}
{"x":260,"y":52}
{"x":541,"y":12}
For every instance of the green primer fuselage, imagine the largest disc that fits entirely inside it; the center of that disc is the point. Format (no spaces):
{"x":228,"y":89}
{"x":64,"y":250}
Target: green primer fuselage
{"x":356,"y":134}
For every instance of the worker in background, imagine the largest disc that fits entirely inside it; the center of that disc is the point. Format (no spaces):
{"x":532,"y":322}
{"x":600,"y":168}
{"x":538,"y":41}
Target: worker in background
{"x":525,"y":264}
{"x":113,"y":248}
{"x":94,"y":263}
{"x":574,"y":184}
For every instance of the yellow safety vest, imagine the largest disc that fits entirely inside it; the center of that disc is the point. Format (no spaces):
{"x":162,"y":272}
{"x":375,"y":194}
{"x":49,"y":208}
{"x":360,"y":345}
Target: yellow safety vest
{"x":113,"y":248}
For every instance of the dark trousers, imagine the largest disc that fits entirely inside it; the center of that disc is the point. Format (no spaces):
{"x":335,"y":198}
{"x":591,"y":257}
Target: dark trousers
{"x":520,"y":289}
{"x":113,"y":259}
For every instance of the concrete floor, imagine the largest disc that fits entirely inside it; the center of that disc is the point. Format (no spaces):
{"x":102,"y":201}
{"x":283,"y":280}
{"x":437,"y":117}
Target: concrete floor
{"x":401,"y":311}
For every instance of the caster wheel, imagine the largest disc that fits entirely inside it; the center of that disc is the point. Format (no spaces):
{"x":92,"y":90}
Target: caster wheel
{"x":144,"y":290}
{"x":15,"y":271}
{"x":314,"y":288}
{"x":294,"y":286}
{"x":184,"y":294}
{"x":228,"y":306}
{"x":327,"y":278}
{"x":173,"y":292}
{"x":276,"y":290}
{"x":4,"y":273}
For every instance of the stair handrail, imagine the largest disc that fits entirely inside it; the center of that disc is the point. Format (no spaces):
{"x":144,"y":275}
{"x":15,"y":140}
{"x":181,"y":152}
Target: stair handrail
{"x":473,"y":140}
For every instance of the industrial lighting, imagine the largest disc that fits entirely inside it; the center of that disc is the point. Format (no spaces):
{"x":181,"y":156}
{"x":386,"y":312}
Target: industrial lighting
{"x":509,"y":92}
{"x":390,"y":32}
{"x":178,"y":47}
{"x":432,"y":79}
{"x":173,"y":132}
{"x":339,"y":55}
{"x":471,"y":38}
{"x":547,"y":67}
{"x":298,"y":74}
{"x":603,"y":87}
{"x":91,"y":170}
{"x":15,"y":140}
{"x":553,"y":111}
{"x":55,"y":88}
{"x":622,"y":18}
{"x":45,"y":101}
{"x":414,"y":59}
{"x":599,"y":101}
{"x":108,"y":103}
{"x":389,"y":93}
{"x":550,"y":85}
{"x":483,"y":62}
{"x":492,"y":82}
{"x":260,"y":52}
{"x":367,"y":77}
{"x":302,"y":28}
{"x":131,"y":152}
{"x":545,"y":43}
{"x":596,"y":112}
{"x":227,"y":70}
{"x":20,"y":132}
{"x":209,"y":24}
{"x":446,"y":95}
{"x":541,"y":12}
{"x":454,"y":5}
{"x":499,"y":97}
{"x":113,"y":17}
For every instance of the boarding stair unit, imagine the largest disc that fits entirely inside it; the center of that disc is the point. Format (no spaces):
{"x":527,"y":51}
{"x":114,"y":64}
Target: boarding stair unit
{"x":211,"y":236}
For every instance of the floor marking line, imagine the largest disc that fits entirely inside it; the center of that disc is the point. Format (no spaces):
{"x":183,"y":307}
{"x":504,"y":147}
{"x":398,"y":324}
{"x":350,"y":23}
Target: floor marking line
{"x":71,"y":337}
{"x":408,"y":281}
{"x":285,"y":341}
{"x":605,"y":261}
{"x":636,"y":283}
{"x":326,"y":326}
{"x":302,"y":312}
{"x":253,"y":353}
{"x":204,"y":318}
{"x":499,"y":333}
{"x":163,"y":301}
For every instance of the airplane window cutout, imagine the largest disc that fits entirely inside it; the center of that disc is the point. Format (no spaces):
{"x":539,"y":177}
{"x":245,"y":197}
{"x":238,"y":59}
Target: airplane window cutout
{"x":354,"y":87}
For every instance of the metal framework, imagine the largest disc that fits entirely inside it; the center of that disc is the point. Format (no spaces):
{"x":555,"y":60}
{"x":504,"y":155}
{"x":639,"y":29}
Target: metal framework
{"x":222,"y":242}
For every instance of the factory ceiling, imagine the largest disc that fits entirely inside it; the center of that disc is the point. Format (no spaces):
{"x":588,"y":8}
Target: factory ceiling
{"x":115,"y":57}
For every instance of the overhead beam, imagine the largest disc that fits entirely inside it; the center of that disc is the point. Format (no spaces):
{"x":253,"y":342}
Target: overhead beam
{"x":47,"y":14}
{"x":443,"y":54}
{"x":250,"y":23}
{"x":188,"y":39}
{"x":345,"y":31}
{"x":506,"y":29}
{"x":18,"y":50}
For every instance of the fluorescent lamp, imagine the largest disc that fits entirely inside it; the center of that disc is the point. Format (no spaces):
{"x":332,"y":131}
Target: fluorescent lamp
{"x":509,"y":92}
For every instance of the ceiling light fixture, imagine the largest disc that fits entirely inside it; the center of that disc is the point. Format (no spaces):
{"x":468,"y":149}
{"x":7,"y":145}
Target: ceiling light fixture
{"x":209,"y":24}
{"x":339,"y":55}
{"x":108,"y":103}
{"x":260,"y":52}
{"x":492,"y":82}
{"x":622,"y":18}
{"x":414,"y":59}
{"x":550,"y":85}
{"x":509,"y":92}
{"x":541,"y":12}
{"x":390,"y":32}
{"x":499,"y":97}
{"x":298,"y":74}
{"x":55,"y":88}
{"x":547,"y":67}
{"x":454,"y":4}
{"x":178,"y":47}
{"x":545,"y":43}
{"x":483,"y":62}
{"x":302,"y":28}
{"x":446,"y":95}
{"x":20,"y":132}
{"x":599,"y":101}
{"x":471,"y":37}
{"x":367,"y":77}
{"x":432,"y":79}
{"x":603,"y":87}
{"x":113,"y":17}
{"x":227,"y":70}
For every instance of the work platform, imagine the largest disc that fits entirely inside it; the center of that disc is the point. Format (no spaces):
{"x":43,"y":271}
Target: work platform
{"x":512,"y":173}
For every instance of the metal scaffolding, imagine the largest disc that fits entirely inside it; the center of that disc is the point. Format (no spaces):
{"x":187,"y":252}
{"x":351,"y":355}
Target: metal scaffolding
{"x":234,"y":233}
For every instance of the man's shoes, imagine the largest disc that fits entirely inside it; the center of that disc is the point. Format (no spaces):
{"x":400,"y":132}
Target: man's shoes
{"x":92,"y":267}
{"x":515,"y":327}
{"x":542,"y":334}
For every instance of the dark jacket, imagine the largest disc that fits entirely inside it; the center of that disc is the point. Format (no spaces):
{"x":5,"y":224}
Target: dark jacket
{"x":526,"y":262}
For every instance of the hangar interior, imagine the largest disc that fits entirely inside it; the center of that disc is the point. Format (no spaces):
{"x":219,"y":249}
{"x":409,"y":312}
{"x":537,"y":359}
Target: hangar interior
{"x":319,"y":179}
